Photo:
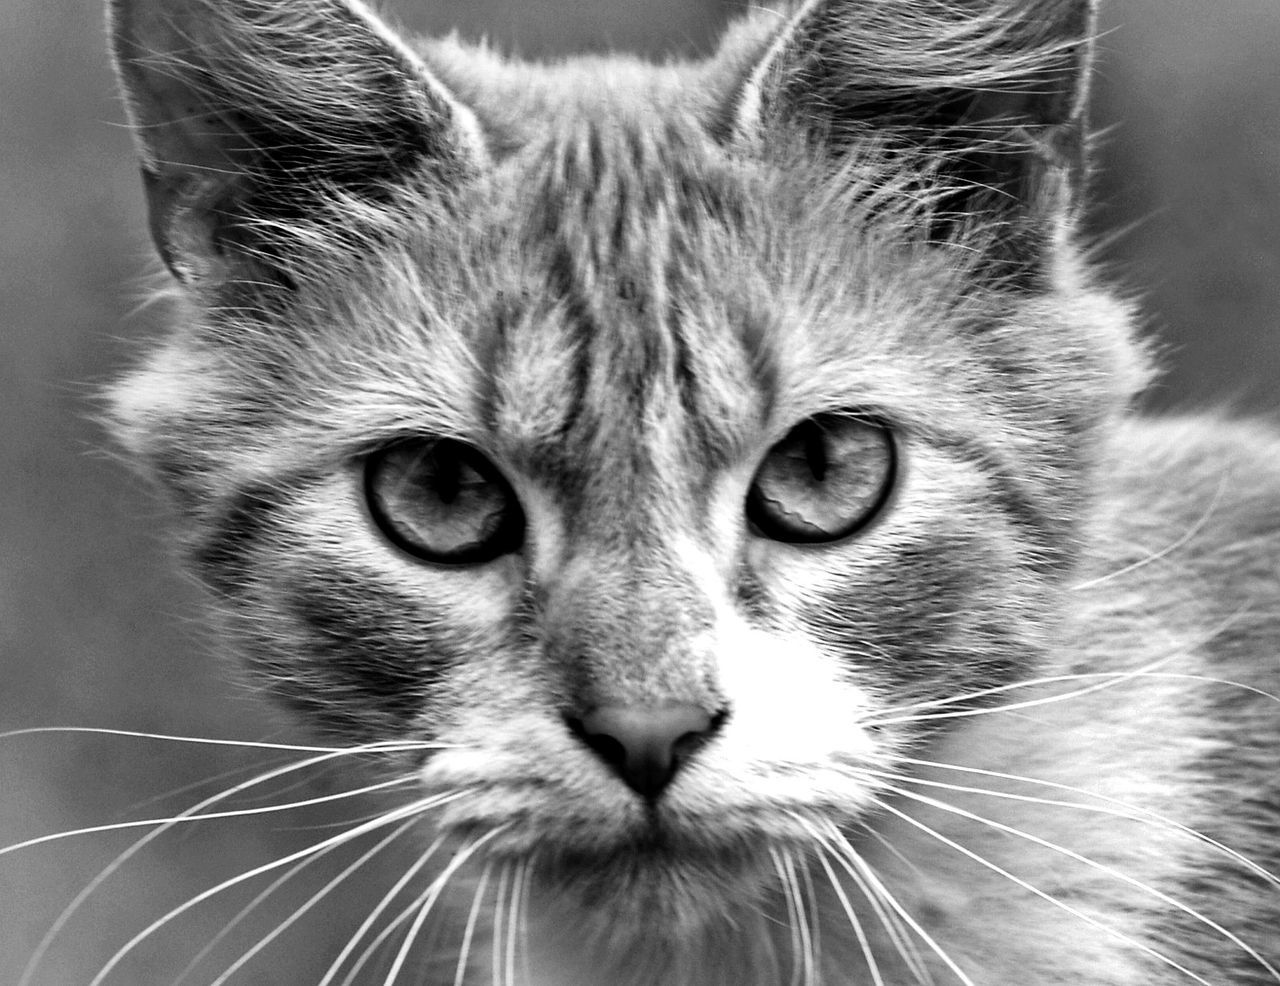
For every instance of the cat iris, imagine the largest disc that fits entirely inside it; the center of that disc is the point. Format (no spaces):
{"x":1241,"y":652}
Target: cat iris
{"x":443,"y":501}
{"x":824,"y":481}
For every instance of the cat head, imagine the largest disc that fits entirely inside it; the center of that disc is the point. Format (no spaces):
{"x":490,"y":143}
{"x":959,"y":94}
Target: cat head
{"x":651,"y":439}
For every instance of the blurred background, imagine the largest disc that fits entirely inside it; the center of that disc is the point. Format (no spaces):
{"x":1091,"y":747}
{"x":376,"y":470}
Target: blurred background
{"x":97,"y":629}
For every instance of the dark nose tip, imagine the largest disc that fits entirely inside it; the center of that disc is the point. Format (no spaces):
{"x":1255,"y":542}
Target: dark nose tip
{"x":645,"y":744}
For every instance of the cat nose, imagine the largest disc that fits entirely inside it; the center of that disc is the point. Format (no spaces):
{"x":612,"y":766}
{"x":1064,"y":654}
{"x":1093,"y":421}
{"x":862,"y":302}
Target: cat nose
{"x":646,"y":744}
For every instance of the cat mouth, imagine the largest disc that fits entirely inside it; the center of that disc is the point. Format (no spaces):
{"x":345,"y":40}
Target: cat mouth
{"x":654,"y":853}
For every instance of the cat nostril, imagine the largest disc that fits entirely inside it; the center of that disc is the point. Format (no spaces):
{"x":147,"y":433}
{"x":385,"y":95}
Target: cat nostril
{"x":646,"y":744}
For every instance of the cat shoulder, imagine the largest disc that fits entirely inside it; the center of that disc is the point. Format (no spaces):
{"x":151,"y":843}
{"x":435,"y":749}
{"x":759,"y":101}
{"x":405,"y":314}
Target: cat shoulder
{"x":1206,"y":470}
{"x":1191,"y":506}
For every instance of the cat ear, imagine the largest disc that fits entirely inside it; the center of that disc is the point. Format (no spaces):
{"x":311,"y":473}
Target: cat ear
{"x":257,"y":119}
{"x":987,"y":97}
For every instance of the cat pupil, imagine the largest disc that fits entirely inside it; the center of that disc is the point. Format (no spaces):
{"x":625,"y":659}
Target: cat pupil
{"x":815,"y":450}
{"x":445,"y":475}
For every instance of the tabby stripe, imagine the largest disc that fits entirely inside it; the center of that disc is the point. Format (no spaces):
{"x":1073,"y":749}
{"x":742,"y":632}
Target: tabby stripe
{"x":1050,"y":534}
{"x":222,"y":556}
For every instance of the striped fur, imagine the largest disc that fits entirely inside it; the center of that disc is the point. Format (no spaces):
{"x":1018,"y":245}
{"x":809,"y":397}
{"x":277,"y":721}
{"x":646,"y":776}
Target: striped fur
{"x":625,"y":283}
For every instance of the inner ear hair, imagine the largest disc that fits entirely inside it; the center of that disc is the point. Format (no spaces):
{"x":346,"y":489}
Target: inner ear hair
{"x":253,"y":117}
{"x":985,"y":100}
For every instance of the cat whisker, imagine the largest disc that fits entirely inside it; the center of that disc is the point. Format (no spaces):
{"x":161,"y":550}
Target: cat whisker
{"x":189,"y":815}
{"x":1080,"y":858}
{"x":1211,"y":680}
{"x":383,"y":746}
{"x":890,"y":848}
{"x":790,"y":921}
{"x":406,"y":914}
{"x":1102,"y":679}
{"x":468,"y":932}
{"x":1120,"y":809}
{"x":427,"y":901}
{"x":308,"y":904}
{"x":808,"y":931}
{"x":1031,"y":888}
{"x":253,"y":905}
{"x":852,"y":862}
{"x":904,"y":944}
{"x":423,"y":908}
{"x":226,"y":777}
{"x":159,"y":826}
{"x":416,"y":808}
{"x":1187,"y":537}
{"x":891,"y":716}
{"x":899,"y":934}
{"x":499,"y":909}
{"x":355,"y":819}
{"x":411,"y":911}
{"x":1111,"y":679}
{"x":764,"y":927}
{"x":815,"y":923}
{"x":804,"y":919}
{"x":372,"y":917}
{"x":514,"y":920}
{"x":864,"y":944}
{"x":526,"y":888}
{"x":163,"y":824}
{"x":793,"y":923}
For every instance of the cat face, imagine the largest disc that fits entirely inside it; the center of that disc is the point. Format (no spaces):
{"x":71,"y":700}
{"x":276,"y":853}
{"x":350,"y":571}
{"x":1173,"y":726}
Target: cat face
{"x":646,"y":443}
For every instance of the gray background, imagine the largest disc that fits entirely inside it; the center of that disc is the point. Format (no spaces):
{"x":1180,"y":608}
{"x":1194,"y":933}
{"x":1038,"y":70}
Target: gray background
{"x":96,"y":629}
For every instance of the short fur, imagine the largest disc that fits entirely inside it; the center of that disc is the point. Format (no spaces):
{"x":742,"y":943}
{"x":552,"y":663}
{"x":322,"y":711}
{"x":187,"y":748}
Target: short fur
{"x":1034,"y":702}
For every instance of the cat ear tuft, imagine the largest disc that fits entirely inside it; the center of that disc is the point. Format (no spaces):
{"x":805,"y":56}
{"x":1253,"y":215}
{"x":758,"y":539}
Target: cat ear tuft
{"x":986,"y":97}
{"x":254,"y":117}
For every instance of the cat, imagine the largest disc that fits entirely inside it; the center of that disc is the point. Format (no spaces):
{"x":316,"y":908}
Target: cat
{"x":717,"y":487}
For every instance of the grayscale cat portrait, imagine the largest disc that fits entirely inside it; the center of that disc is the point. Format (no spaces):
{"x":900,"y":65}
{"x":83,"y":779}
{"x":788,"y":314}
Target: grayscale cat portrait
{"x":704,"y":504}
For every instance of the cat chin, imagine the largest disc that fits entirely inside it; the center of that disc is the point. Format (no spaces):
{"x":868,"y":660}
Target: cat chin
{"x":624,"y":910}
{"x":667,"y":881}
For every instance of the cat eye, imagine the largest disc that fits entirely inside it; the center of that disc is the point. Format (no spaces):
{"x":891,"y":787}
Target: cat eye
{"x":443,"y":501}
{"x":825,"y":480}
